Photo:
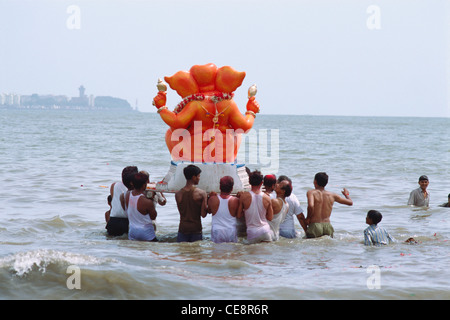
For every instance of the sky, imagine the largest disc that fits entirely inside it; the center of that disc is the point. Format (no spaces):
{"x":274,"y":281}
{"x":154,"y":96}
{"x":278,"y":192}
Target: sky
{"x":307,"y":57}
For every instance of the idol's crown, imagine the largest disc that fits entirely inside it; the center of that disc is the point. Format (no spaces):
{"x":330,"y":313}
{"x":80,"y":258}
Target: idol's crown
{"x":205,"y":78}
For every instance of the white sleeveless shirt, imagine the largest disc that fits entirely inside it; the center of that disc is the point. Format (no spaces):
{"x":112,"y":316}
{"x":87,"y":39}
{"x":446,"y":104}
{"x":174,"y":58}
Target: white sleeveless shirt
{"x":223,"y":224}
{"x":140,"y":226}
{"x":255,"y":217}
{"x":116,"y":207}
{"x":277,"y":220}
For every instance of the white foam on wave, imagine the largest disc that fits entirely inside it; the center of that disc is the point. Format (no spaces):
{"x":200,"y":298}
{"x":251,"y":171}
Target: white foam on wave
{"x":23,"y":263}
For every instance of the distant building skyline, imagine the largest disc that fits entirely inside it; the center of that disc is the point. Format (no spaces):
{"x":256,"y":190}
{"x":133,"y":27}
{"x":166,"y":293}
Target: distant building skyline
{"x":9,"y":99}
{"x":53,"y":101}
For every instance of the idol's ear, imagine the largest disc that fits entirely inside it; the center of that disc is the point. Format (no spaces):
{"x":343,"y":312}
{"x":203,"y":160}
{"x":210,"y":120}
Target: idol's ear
{"x":183,"y":83}
{"x":228,"y":79}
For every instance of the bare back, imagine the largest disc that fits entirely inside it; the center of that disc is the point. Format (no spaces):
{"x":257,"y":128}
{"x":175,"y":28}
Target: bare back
{"x":320,"y":204}
{"x":199,"y":196}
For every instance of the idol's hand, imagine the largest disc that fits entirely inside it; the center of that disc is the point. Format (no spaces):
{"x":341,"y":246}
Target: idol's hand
{"x":252,"y":105}
{"x":160,"y":99}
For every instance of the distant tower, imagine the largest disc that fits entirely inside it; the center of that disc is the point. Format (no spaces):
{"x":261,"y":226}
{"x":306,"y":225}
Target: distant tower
{"x":82,"y":89}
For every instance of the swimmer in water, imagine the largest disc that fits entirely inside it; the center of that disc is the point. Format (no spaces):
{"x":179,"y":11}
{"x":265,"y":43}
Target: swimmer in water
{"x":446,"y":205}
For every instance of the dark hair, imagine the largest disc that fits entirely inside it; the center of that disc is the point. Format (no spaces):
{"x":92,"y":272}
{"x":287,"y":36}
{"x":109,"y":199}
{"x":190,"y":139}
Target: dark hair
{"x":375,"y":216}
{"x":449,"y":195}
{"x":321,"y":178}
{"x":255,"y":178}
{"x":190,"y":171}
{"x":282,"y":178}
{"x":269,"y":180}
{"x":146,"y":174}
{"x":127,"y":176}
{"x":139,"y":179}
{"x":287,"y":188}
{"x":226,"y":184}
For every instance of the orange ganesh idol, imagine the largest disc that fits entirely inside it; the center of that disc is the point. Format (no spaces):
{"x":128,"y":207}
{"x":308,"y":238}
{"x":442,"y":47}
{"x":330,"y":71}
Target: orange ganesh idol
{"x":206,"y":126}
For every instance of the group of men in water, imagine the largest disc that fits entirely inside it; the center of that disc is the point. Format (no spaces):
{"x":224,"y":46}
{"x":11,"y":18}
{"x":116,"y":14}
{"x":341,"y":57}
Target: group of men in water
{"x":264,"y":213}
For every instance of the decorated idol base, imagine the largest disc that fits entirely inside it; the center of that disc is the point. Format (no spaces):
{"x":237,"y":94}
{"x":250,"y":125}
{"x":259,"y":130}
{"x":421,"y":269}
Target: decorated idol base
{"x":209,"y":177}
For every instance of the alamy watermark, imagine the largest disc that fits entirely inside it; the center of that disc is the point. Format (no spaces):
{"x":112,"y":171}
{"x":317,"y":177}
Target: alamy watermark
{"x":74,"y":280}
{"x":374,"y":279}
{"x":262,"y":149}
{"x":373,"y":21}
{"x":73,"y":21}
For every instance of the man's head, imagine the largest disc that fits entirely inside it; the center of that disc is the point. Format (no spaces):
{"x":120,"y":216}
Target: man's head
{"x":423,"y":182}
{"x":321,"y":179}
{"x":284,"y":187}
{"x":255,"y":178}
{"x":269,"y":181}
{"x":282,"y":178}
{"x":192,"y":172}
{"x":140,"y":181}
{"x":146,"y":174}
{"x":286,"y":178}
{"x":373,"y":217}
{"x":226,"y":184}
{"x":127,"y":176}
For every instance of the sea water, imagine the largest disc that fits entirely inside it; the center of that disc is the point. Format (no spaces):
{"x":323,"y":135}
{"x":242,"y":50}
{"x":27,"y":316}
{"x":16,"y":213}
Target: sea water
{"x":56,"y":167}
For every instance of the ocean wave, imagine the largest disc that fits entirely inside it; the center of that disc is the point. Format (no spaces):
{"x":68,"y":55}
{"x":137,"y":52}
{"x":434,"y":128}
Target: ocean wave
{"x":23,"y":263}
{"x":45,"y":274}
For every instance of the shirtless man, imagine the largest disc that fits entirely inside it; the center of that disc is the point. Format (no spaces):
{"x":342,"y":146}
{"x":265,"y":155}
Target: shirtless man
{"x":320,"y":205}
{"x":191,"y":203}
